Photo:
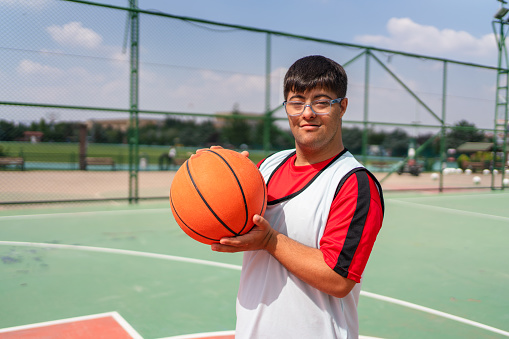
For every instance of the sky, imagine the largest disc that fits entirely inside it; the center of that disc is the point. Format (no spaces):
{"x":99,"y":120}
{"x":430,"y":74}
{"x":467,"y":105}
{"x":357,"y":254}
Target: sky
{"x":58,"y":52}
{"x":455,"y":29}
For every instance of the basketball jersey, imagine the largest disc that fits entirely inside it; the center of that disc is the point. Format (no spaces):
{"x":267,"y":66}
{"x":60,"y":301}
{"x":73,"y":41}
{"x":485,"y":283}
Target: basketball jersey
{"x":272,"y":302}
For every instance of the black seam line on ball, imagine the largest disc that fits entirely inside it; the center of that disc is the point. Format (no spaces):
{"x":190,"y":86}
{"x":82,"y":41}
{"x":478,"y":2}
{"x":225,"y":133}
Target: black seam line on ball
{"x":205,"y":201}
{"x":180,"y":218}
{"x":240,"y":187}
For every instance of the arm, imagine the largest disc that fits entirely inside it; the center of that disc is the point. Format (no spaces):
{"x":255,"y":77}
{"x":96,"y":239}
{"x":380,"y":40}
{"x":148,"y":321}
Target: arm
{"x":304,"y":262}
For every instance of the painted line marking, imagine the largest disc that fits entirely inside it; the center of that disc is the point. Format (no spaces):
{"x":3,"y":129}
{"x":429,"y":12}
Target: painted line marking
{"x":120,"y":251}
{"x":115,"y":315}
{"x":452,"y":210}
{"x":204,"y":335}
{"x":434,"y":312}
{"x":90,"y":213}
{"x":238,"y":268}
{"x":224,"y":334}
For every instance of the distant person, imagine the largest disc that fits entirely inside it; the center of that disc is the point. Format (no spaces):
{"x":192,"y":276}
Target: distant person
{"x":304,"y":260}
{"x":167,"y":159}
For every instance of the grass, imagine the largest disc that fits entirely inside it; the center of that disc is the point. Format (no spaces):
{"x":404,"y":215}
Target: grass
{"x":69,"y":152}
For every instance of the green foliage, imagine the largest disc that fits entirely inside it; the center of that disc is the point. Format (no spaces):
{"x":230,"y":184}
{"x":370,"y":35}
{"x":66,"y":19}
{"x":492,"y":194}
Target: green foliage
{"x":462,"y":161}
{"x":352,"y":139}
{"x":397,"y":143}
{"x":237,"y":130}
{"x":462,"y":132}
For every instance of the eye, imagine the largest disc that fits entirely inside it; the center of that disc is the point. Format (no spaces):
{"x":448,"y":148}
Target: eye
{"x":296,"y":104}
{"x":321,"y":103}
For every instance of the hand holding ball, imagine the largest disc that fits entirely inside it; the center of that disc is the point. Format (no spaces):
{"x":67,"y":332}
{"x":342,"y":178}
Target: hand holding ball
{"x":215,"y":194}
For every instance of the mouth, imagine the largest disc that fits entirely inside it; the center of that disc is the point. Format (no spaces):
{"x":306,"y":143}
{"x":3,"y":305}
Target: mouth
{"x":309,"y":126}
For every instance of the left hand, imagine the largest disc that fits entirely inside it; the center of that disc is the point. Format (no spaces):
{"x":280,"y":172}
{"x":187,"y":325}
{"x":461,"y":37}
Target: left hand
{"x":260,"y":237}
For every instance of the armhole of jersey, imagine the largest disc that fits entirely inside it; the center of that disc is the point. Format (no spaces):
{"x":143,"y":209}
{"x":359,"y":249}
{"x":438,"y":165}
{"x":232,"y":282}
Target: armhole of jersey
{"x":263,"y":160}
{"x":280,"y":164}
{"x":378,"y":186}
{"x":277,"y":201}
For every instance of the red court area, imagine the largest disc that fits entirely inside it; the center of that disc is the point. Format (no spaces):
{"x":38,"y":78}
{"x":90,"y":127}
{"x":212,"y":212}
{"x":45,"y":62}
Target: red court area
{"x":100,"y":327}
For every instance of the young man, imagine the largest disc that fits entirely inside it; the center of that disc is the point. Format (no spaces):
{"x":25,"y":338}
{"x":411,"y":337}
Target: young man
{"x":303,"y":261}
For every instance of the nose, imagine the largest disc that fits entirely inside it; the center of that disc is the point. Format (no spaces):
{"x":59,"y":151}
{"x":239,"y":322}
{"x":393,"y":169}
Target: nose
{"x":308,"y":112}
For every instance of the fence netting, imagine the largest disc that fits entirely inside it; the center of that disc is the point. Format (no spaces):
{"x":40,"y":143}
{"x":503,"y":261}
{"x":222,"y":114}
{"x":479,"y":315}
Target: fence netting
{"x":66,"y":115}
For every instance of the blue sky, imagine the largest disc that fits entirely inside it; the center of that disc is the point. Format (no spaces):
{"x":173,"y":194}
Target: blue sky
{"x":58,"y":52}
{"x":460,"y":30}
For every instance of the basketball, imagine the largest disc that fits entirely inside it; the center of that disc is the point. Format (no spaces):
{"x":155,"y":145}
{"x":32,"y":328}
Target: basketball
{"x":216,"y":193}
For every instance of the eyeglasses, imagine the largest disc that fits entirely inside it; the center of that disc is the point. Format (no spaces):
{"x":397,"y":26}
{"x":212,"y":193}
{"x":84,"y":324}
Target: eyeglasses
{"x":319,"y":107}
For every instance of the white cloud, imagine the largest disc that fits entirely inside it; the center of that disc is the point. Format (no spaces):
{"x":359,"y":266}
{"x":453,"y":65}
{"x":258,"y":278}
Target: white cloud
{"x":406,"y":35}
{"x":32,"y":67}
{"x":74,"y":34}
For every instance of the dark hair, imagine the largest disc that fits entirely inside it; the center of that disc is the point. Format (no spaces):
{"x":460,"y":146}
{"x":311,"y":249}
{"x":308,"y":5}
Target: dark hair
{"x":315,"y":71}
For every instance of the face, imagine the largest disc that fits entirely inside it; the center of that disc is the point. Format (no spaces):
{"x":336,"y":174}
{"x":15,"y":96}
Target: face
{"x":317,"y":134}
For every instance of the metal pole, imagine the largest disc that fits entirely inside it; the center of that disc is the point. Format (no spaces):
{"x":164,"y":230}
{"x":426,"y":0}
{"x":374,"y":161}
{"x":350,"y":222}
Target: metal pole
{"x":501,"y":104}
{"x":268,"y":113}
{"x":133,"y":109}
{"x":442,"y":131}
{"x":366,"y":108}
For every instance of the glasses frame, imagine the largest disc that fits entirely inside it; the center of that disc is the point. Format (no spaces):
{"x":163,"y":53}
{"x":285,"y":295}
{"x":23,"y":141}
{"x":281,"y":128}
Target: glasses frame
{"x":333,"y":101}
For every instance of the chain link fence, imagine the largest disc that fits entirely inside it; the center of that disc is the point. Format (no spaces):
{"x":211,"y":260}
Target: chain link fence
{"x":67,"y":118}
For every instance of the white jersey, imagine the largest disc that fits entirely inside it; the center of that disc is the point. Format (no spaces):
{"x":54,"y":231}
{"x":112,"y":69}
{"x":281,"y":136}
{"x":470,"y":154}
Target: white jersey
{"x":272,"y":302}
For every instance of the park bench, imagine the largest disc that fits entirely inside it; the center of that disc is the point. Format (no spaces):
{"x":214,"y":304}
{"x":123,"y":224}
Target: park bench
{"x":101,"y":161}
{"x":18,"y":161}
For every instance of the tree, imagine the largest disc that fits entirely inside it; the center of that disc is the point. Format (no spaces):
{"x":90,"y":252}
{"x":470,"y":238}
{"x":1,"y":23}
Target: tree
{"x":237,"y":130}
{"x":462,"y":132}
{"x":397,"y":143}
{"x":352,"y":139}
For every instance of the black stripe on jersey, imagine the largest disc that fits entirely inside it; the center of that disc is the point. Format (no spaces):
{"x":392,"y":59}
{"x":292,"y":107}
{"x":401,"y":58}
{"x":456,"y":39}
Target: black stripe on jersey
{"x":357,"y":223}
{"x":378,"y":186}
{"x":288,"y":197}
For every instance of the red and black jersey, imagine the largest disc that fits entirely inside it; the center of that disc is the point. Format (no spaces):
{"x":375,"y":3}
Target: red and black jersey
{"x":355,"y":216}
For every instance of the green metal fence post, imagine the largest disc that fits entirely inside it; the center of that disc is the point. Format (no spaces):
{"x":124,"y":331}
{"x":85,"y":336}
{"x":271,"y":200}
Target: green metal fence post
{"x":501,"y":102}
{"x":133,"y":112}
{"x":366,"y":108}
{"x":268,"y":113}
{"x":442,"y":130}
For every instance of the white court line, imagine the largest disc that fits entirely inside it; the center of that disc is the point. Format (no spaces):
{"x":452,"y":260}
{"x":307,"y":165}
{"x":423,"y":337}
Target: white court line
{"x":434,"y":312}
{"x":237,"y":267}
{"x":223,"y":333}
{"x":118,"y":318}
{"x":120,"y":251}
{"x":201,"y":335}
{"x":452,"y":210}
{"x":497,"y":195}
{"x":78,"y":214}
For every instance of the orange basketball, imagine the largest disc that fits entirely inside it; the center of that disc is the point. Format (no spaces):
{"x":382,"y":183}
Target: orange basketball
{"x":215,"y":194}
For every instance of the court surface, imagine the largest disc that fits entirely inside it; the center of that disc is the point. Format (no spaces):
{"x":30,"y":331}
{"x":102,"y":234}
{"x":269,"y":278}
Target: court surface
{"x":439,"y":269}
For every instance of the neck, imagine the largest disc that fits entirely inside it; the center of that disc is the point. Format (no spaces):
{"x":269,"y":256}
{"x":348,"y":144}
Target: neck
{"x":310,"y":156}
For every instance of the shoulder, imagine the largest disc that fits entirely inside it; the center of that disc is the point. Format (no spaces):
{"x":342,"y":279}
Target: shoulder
{"x":360,"y":184}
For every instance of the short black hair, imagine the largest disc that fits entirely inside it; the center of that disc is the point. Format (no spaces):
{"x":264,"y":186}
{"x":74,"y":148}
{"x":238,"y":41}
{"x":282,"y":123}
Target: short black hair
{"x":316,"y":71}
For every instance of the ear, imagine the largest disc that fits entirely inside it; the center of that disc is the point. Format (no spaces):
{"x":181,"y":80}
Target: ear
{"x":343,"y":105}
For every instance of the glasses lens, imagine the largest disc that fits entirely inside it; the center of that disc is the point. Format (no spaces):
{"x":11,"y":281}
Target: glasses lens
{"x":321,"y":106}
{"x":318,"y":107}
{"x":295,"y":107}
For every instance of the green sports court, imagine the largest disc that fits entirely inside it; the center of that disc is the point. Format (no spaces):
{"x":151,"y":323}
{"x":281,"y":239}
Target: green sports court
{"x":94,"y":252}
{"x":438,"y":270}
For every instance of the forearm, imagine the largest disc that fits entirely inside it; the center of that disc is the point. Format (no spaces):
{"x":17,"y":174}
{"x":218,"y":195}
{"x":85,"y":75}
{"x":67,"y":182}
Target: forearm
{"x":303,"y":261}
{"x":308,"y":265}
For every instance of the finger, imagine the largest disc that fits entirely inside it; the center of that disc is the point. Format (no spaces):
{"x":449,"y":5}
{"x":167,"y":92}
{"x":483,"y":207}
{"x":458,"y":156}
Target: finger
{"x":216,"y":147}
{"x":224,"y":248}
{"x":260,"y":221}
{"x":245,"y":153}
